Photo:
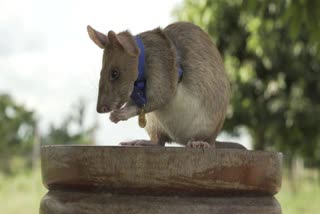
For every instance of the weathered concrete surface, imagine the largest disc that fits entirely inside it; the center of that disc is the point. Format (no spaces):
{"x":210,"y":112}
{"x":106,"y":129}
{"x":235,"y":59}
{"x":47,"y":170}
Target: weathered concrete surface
{"x":102,"y":203}
{"x":161,"y":170}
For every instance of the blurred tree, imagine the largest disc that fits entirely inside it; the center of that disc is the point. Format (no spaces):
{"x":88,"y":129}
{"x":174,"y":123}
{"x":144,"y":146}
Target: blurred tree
{"x":17,"y":125}
{"x":271,"y":53}
{"x":20,"y":139}
{"x":72,"y":129}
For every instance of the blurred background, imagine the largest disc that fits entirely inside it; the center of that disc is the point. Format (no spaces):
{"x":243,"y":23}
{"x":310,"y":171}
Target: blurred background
{"x":49,"y":71}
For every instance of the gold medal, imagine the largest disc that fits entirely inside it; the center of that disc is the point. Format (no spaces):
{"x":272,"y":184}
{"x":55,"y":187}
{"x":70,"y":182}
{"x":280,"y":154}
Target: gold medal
{"x":142,"y":118}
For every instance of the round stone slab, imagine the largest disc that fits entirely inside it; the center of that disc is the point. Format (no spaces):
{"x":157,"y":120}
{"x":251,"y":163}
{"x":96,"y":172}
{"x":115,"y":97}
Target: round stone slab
{"x":161,"y":170}
{"x":101,"y":203}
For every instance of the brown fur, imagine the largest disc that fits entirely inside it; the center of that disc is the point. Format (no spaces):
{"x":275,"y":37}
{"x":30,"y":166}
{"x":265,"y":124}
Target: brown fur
{"x":192,"y":110}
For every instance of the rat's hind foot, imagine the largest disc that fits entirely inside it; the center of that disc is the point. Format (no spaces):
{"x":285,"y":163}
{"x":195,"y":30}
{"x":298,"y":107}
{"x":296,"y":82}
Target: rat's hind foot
{"x":199,"y":144}
{"x":139,"y":143}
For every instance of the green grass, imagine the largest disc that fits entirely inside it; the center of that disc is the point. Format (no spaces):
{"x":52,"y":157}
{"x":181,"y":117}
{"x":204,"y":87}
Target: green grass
{"x":302,"y":196}
{"x":22,"y":194}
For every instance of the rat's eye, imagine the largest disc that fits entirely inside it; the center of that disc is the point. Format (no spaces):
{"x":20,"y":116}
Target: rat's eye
{"x":114,"y":74}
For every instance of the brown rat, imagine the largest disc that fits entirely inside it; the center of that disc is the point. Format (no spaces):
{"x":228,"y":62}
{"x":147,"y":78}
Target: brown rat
{"x":188,"y":111}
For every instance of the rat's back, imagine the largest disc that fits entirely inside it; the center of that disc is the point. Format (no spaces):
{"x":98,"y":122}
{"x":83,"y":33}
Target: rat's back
{"x":198,"y":57}
{"x":204,"y":88}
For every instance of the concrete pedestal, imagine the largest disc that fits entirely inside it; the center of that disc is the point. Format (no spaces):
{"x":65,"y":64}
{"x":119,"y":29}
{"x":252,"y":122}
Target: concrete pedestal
{"x":100,"y":179}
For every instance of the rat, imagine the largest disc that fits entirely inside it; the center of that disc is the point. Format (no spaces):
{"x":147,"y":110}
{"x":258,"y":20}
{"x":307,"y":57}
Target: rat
{"x":185,"y":91}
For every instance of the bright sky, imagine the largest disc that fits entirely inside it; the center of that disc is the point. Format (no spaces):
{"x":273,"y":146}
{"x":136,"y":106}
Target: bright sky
{"x":47,"y":60}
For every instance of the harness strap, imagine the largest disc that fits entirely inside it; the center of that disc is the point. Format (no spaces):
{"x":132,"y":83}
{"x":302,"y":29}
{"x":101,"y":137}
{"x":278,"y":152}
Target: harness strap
{"x":139,"y":90}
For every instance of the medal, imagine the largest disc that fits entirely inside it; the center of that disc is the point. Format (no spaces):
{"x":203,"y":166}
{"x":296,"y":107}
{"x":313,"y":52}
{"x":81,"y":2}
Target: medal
{"x":142,"y":118}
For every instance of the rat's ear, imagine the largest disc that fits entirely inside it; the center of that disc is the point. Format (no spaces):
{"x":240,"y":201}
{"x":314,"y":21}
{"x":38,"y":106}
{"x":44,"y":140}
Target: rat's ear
{"x":99,"y":38}
{"x":124,"y":42}
{"x":114,"y":40}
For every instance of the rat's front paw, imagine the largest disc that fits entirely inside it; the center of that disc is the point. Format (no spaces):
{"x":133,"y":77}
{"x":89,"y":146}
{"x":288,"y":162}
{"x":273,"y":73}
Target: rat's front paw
{"x":117,"y":115}
{"x":123,"y":114}
{"x":113,"y":117}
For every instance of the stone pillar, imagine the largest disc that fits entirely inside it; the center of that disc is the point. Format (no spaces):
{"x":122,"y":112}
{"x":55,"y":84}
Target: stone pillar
{"x":103,"y":179}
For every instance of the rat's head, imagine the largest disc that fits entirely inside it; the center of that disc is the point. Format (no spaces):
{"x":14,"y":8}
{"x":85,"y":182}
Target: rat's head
{"x":119,"y":68}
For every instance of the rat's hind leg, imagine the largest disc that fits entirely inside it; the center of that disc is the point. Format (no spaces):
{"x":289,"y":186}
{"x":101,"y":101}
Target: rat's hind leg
{"x":214,"y":144}
{"x":199,"y":144}
{"x":207,"y":140}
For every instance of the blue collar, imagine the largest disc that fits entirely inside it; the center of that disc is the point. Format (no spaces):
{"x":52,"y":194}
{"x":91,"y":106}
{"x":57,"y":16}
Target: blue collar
{"x":139,"y":90}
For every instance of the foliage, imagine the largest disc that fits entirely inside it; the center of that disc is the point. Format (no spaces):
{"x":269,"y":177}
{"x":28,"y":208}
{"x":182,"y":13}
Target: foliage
{"x":17,"y":132}
{"x":19,"y":142}
{"x":72,"y":129}
{"x":271,"y":53}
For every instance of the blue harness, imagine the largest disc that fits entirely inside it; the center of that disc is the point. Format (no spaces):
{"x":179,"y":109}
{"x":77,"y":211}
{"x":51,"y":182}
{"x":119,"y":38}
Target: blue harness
{"x":139,"y":91}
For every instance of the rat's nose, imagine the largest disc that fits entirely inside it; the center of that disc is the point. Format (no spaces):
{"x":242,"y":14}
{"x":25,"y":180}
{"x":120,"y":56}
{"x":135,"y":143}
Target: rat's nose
{"x":102,"y":109}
